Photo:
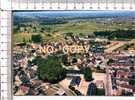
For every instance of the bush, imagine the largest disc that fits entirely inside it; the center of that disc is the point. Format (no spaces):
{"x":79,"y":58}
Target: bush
{"x":36,"y":38}
{"x":100,"y":92}
{"x":110,"y":61}
{"x":132,"y":82}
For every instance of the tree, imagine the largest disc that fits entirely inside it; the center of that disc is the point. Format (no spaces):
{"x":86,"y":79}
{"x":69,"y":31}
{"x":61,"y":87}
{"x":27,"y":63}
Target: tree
{"x":132,"y":82}
{"x":65,"y":60}
{"x":50,"y":69}
{"x":87,"y":74}
{"x":110,"y":61}
{"x":36,"y":38}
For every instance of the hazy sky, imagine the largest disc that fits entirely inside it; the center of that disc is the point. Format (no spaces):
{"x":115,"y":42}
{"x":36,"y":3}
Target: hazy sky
{"x":76,"y":13}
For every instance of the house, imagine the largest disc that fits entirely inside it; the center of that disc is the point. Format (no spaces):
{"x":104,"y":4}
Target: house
{"x":122,"y":74}
{"x":127,"y":88}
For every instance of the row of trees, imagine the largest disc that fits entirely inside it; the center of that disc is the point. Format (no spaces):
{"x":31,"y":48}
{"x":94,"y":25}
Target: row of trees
{"x":118,"y":34}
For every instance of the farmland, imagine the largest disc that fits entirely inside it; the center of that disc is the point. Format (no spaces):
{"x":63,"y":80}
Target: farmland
{"x":55,"y":29}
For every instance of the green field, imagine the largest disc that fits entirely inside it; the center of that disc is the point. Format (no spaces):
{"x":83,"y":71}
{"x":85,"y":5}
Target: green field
{"x":80,"y":27}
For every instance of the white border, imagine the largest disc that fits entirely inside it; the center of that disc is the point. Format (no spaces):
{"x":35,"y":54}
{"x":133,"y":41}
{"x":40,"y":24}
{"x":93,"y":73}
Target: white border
{"x":67,"y":4}
{"x":5,"y":54}
{"x":70,"y":98}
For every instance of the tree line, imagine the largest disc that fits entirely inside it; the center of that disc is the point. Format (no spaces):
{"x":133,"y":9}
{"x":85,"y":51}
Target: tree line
{"x":117,"y":34}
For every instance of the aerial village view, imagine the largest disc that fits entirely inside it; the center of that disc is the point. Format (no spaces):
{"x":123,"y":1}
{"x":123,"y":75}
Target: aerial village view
{"x":74,"y":53}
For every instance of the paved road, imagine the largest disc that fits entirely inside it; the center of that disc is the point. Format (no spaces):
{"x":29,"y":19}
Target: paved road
{"x":108,"y":87}
{"x":108,"y":84}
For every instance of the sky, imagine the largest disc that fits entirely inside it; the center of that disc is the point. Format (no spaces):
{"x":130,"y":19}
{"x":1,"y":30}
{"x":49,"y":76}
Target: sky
{"x":75,"y":13}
